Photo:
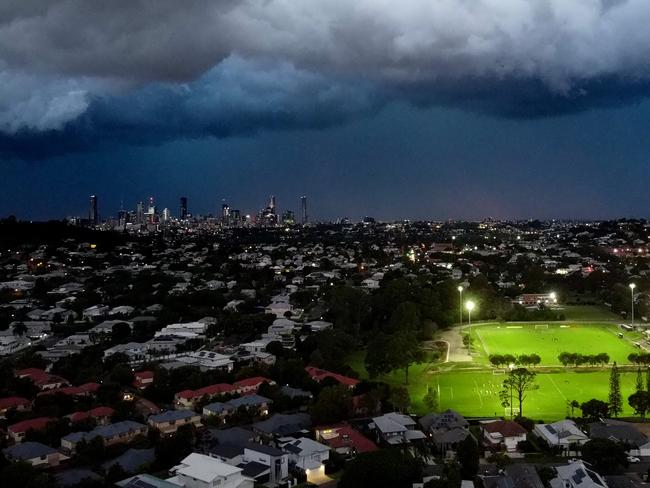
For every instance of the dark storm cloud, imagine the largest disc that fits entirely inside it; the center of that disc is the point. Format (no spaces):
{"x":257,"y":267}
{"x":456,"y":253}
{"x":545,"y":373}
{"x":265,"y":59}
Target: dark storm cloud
{"x":75,"y":72}
{"x":236,"y":97}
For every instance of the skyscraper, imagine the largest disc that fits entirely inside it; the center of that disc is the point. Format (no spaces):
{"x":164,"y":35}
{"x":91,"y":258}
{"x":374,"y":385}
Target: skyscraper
{"x":303,"y":209}
{"x":139,"y":213}
{"x":92,"y":215}
{"x":225,"y":214}
{"x":183,"y":212}
{"x":152,"y":212}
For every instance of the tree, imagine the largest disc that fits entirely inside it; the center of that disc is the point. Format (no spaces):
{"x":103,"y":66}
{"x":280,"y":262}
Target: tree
{"x":519,"y":382}
{"x":431,"y":398}
{"x":120,"y":333}
{"x":332,"y":405}
{"x":468,"y":454}
{"x":379,"y":355}
{"x":638,"y":385}
{"x":594,"y":410}
{"x":605,"y":455}
{"x":387,"y":468}
{"x":615,"y":399}
{"x":647,"y":379}
{"x":640,"y":402}
{"x":573,"y":404}
{"x":405,"y":317}
{"x":399,"y":398}
{"x":407,"y":350}
{"x":19,"y":329}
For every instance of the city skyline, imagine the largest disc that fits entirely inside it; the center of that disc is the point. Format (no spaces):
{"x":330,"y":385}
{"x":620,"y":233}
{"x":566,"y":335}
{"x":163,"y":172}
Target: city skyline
{"x":438,"y":117}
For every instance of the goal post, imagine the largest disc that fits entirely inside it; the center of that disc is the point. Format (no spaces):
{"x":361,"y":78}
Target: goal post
{"x":541,"y":326}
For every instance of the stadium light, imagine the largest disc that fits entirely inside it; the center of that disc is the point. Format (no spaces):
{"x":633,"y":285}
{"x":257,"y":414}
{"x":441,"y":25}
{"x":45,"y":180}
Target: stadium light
{"x":469,"y":306}
{"x":553,"y":297}
{"x":460,"y":304}
{"x":632,"y":287}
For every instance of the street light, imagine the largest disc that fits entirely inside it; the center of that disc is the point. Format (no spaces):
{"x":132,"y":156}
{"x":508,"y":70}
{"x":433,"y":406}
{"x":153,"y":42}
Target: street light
{"x":460,"y":304}
{"x":469,"y":306}
{"x":632,"y":287}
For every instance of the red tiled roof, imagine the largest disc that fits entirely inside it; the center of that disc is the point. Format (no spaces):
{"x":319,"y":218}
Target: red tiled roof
{"x":254,"y":381}
{"x":101,"y":412}
{"x":507,"y":428}
{"x":78,"y":416}
{"x":39,"y":377}
{"x":347,"y":437}
{"x":143,"y":404}
{"x":25,"y":425}
{"x":84,"y":389}
{"x":319,"y":375}
{"x":217,"y":389}
{"x":13,"y":402}
{"x":210,"y":390}
{"x":187,"y":394}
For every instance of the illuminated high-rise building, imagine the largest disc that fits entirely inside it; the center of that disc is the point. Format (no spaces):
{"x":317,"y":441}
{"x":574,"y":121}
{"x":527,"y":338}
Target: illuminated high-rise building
{"x":225,"y":214}
{"x":303,"y":210}
{"x":183,"y":211}
{"x":152,"y":213}
{"x":139,"y":213}
{"x":92,"y":215}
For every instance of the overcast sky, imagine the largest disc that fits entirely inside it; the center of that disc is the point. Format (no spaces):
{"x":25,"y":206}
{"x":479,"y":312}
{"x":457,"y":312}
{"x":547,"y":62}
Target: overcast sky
{"x":409,"y":109}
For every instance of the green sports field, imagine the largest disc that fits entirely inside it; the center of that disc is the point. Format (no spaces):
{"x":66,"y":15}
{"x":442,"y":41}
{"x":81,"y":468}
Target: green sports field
{"x":549,"y":340}
{"x":477,"y":393}
{"x":473,"y":388}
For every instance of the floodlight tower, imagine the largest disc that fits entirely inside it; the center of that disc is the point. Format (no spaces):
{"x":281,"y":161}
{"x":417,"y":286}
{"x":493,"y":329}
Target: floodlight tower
{"x":469,"y":306}
{"x":632,"y":287}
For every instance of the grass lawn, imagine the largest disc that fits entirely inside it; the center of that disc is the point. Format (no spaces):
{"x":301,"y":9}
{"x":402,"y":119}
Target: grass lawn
{"x":476,"y":393}
{"x":593,"y":313}
{"x":549,"y":342}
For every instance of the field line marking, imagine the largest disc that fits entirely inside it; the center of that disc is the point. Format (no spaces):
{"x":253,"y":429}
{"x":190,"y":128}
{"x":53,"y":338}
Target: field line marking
{"x":487,"y":351}
{"x":478,"y":391}
{"x":557,"y":387}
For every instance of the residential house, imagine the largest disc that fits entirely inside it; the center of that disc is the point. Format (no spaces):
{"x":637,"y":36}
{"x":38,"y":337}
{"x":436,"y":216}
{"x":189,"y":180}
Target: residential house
{"x":621,"y":432}
{"x":18,"y":430}
{"x":576,"y":475}
{"x":44,"y":381}
{"x":143,"y":379}
{"x":280,"y":425}
{"x":168,"y":422}
{"x":395,"y":428}
{"x":561,"y":434}
{"x":447,"y":429}
{"x":343,"y":439}
{"x":251,"y":384}
{"x":498,"y":434}
{"x":319,"y":375}
{"x":19,"y":404}
{"x":145,"y":481}
{"x":189,"y":398}
{"x":117,"y":433}
{"x":307,"y":455}
{"x":37,"y":454}
{"x":265,"y":464}
{"x":201,"y":471}
{"x":101,"y":415}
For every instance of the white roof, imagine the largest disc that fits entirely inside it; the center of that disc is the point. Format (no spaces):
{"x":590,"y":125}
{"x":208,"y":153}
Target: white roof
{"x":205,"y":468}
